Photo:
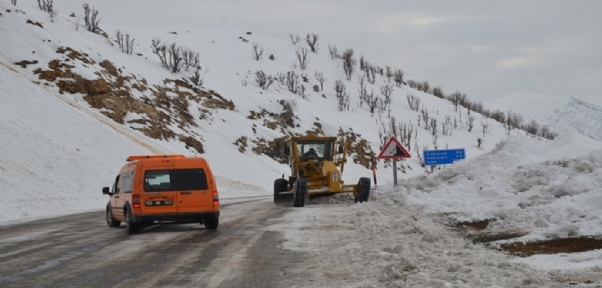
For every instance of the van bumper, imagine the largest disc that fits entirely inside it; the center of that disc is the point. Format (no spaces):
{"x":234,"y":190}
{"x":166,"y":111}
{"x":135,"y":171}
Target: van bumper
{"x":176,"y":217}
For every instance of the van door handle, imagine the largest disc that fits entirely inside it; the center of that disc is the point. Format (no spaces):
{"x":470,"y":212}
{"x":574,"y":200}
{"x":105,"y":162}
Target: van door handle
{"x":185,"y":193}
{"x":116,"y":197}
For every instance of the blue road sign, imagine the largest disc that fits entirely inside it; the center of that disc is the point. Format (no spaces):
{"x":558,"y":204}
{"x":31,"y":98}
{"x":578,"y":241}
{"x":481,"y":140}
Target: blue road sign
{"x":440,"y":157}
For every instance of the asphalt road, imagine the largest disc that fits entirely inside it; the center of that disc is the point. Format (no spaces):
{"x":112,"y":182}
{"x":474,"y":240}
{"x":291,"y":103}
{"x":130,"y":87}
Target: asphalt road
{"x":82,"y":251}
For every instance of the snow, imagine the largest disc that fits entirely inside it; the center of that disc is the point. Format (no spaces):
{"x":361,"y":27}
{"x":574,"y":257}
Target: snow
{"x":57,"y":153}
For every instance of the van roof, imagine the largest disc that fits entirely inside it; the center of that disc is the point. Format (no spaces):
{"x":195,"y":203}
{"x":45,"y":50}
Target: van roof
{"x":140,"y":157}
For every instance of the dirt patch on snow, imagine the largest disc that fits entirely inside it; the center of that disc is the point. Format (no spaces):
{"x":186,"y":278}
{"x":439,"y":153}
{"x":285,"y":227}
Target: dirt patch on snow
{"x":554,"y":246}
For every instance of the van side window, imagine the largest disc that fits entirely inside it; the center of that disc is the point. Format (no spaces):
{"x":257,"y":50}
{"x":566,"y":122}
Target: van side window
{"x":128,"y":182}
{"x":175,"y":180}
{"x":116,"y":185}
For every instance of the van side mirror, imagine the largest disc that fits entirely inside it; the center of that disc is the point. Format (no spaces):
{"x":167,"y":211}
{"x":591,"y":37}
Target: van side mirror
{"x":106,"y":191}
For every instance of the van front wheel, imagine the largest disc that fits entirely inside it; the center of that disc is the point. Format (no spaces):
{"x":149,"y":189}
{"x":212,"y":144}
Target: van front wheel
{"x":110,"y":220}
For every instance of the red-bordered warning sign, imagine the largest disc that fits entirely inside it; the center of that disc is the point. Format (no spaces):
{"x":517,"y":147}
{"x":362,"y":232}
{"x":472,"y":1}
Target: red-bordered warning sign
{"x":393,"y":150}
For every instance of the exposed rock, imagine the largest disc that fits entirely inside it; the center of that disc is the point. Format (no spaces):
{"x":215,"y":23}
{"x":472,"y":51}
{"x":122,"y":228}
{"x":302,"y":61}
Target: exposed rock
{"x":24,"y":63}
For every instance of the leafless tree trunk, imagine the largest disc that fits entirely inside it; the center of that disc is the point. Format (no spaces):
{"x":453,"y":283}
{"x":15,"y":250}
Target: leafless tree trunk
{"x":263,"y":79}
{"x":320,"y":77}
{"x":387,"y":91}
{"x":334,"y":52}
{"x":348,"y":63}
{"x":155,"y":45}
{"x":341,"y":94}
{"x":91,"y":21}
{"x":302,"y":57}
{"x":257,"y":52}
{"x":312,"y":41}
{"x":398,"y":77}
{"x":294,"y":38}
{"x":470,"y":122}
{"x":292,"y":81}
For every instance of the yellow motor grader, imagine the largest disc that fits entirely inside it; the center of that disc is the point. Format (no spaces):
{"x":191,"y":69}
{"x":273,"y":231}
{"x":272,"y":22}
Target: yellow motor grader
{"x":315,"y":171}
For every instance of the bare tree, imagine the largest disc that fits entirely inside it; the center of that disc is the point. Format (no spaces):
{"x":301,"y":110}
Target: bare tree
{"x":257,"y":52}
{"x":191,"y":58}
{"x":437,"y":91}
{"x":263,"y":79}
{"x":45,"y":5}
{"x":372,"y":101}
{"x":175,"y":62}
{"x":320,"y":77}
{"x":389,"y":73}
{"x":127,"y":45}
{"x":387,"y":91}
{"x":485,"y":126}
{"x":398,"y":77}
{"x":470,"y":122}
{"x":52,"y":14}
{"x":363,"y":91}
{"x":14,"y":2}
{"x":281,"y":78}
{"x":302,"y":57}
{"x":294,"y":38}
{"x":414,"y":102}
{"x":312,"y":41}
{"x":348,"y":63}
{"x":155,"y":45}
{"x":199,"y":76}
{"x":532,"y":127}
{"x":292,"y":81}
{"x":342,"y":96}
{"x":370,"y":73}
{"x":77,"y":23}
{"x":92,"y":20}
{"x":334,"y":52}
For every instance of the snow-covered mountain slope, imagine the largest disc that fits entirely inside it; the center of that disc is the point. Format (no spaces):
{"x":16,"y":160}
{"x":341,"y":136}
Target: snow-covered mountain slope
{"x":561,"y":114}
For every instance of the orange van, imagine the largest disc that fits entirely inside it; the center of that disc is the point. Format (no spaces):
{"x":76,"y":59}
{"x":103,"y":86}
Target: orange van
{"x":163,"y":189}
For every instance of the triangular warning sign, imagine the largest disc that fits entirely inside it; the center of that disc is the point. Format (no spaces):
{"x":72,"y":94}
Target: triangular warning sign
{"x":393,"y":150}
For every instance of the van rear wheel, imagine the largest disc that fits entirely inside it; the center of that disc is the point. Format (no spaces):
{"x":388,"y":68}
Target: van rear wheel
{"x":110,"y":220}
{"x":211,"y":223}
{"x":130,"y":227}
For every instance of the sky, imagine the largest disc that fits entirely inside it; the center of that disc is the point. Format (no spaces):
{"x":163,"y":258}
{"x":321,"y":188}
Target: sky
{"x":58,"y":153}
{"x":486,"y":49}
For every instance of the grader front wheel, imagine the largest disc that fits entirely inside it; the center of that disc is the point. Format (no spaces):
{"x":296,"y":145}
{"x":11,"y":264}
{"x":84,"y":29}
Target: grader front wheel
{"x":363,"y":190}
{"x":300,"y":192}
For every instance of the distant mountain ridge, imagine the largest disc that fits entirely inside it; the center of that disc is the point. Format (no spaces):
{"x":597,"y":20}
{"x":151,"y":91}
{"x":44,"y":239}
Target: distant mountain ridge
{"x":562,"y":114}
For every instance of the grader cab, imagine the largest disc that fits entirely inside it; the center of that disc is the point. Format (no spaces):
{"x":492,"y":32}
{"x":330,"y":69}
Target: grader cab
{"x":315,"y":171}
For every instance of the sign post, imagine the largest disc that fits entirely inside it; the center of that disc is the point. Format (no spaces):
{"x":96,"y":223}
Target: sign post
{"x":441,"y":157}
{"x":394,"y":150}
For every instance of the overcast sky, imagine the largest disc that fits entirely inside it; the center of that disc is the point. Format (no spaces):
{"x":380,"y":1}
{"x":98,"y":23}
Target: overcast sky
{"x":486,"y":49}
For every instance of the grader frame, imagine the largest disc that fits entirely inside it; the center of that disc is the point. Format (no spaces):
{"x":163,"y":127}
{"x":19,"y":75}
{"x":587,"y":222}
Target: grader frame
{"x":315,"y":176}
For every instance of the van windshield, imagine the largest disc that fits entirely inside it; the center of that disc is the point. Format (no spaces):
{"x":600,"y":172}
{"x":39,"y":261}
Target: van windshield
{"x":175,"y":180}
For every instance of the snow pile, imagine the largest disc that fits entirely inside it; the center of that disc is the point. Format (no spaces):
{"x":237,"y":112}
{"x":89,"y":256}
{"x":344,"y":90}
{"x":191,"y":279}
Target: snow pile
{"x":514,"y":184}
{"x":387,"y":243}
{"x":403,"y":237}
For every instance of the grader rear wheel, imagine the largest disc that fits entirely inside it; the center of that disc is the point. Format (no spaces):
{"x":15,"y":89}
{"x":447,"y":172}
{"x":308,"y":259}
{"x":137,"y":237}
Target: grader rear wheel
{"x":279,"y":187}
{"x":363,"y":190}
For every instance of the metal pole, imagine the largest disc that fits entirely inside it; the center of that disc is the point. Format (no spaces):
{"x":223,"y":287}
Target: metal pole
{"x":394,"y":172}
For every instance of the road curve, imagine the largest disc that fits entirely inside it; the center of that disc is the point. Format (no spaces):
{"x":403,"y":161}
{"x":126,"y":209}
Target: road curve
{"x":82,"y":251}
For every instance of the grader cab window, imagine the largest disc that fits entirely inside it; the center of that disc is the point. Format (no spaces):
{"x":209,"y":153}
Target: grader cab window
{"x":321,"y":150}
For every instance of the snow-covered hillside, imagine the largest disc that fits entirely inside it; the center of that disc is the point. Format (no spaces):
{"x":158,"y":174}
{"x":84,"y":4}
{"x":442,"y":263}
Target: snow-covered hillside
{"x":230,"y":113}
{"x":561,"y":114}
{"x":74,"y":107}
